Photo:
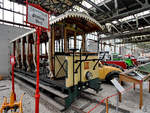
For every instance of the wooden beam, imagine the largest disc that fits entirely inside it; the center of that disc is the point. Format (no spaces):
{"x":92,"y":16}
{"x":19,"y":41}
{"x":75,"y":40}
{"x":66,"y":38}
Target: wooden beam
{"x":27,"y":53}
{"x":83,"y":42}
{"x":22,"y":54}
{"x":65,"y":41}
{"x":52,"y":50}
{"x":141,"y":94}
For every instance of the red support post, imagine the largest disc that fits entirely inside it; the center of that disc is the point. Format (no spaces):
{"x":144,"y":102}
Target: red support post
{"x":37,"y":94}
{"x":13,"y":84}
{"x":38,"y":31}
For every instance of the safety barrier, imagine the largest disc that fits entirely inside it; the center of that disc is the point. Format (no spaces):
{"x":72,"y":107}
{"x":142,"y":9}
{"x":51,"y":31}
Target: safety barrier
{"x":105,"y":100}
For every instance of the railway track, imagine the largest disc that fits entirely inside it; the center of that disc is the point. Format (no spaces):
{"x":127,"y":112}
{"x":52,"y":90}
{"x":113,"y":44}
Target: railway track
{"x":46,"y":96}
{"x":53,"y":99}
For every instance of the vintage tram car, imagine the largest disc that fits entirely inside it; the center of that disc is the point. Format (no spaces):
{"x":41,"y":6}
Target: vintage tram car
{"x":63,"y":66}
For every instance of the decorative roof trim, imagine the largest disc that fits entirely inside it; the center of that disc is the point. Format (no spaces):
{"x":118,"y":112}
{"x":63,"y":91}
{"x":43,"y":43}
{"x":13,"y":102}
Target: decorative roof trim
{"x":61,"y":17}
{"x":75,"y":14}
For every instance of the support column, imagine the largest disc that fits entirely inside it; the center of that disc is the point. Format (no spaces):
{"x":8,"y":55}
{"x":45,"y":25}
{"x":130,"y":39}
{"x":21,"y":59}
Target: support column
{"x":101,"y":45}
{"x":83,"y":42}
{"x":34,"y":51}
{"x":107,"y":105}
{"x":65,"y":41}
{"x":141,"y":94}
{"x":45,"y":48}
{"x":120,"y":96}
{"x":149,"y":86}
{"x":27,"y":54}
{"x":22,"y":52}
{"x":49,"y":53}
{"x":17,"y":53}
{"x":37,"y":92}
{"x":114,"y":46}
{"x":14,"y":48}
{"x":134,"y":86}
{"x":52,"y":50}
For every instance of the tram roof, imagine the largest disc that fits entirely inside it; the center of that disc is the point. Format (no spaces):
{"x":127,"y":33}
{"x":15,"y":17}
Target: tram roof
{"x":82,"y":20}
{"x":76,"y":15}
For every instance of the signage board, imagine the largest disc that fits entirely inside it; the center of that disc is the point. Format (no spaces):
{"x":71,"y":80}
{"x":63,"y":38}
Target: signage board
{"x":12,"y":60}
{"x":37,"y":17}
{"x":117,"y":85}
{"x":92,"y":46}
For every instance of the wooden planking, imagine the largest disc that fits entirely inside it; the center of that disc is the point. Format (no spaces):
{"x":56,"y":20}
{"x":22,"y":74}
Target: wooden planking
{"x":48,"y":88}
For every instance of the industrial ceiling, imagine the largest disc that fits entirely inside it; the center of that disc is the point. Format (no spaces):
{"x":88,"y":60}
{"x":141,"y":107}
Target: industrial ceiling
{"x":120,"y":18}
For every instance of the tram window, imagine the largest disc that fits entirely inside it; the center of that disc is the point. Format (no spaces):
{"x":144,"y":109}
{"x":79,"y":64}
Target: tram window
{"x":78,"y":42}
{"x":56,"y":46}
{"x":43,"y":48}
{"x":71,"y":43}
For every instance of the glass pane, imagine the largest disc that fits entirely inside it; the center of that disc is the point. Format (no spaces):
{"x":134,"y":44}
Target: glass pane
{"x":0,"y":13}
{"x":16,"y":7}
{"x":8,"y":15}
{"x":18,"y":18}
{"x":20,"y":8}
{"x":11,"y":5}
{"x":7,"y":4}
{"x":0,"y":2}
{"x":24,"y":10}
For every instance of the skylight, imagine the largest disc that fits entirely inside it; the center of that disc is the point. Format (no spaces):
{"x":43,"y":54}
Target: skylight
{"x":84,"y":3}
{"x":97,"y":1}
{"x":141,"y":14}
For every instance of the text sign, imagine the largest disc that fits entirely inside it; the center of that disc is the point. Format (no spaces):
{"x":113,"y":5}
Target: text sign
{"x":37,"y":17}
{"x":12,"y":60}
{"x":117,"y":85}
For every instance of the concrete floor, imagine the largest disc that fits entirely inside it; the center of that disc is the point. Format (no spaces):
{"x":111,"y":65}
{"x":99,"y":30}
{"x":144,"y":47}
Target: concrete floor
{"x":130,"y":100}
{"x":28,"y":100}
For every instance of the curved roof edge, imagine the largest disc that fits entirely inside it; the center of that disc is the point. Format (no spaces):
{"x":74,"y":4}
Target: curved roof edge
{"x":32,"y":31}
{"x":61,"y":17}
{"x":75,"y":14}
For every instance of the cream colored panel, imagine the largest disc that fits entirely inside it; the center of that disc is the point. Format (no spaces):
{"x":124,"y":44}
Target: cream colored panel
{"x":60,"y":73}
{"x":95,"y":73}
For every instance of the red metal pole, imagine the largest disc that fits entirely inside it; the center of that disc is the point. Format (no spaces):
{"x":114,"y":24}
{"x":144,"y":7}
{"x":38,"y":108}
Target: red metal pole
{"x":13,"y":84}
{"x":37,"y":94}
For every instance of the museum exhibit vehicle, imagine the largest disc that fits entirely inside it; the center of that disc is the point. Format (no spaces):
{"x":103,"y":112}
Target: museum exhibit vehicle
{"x":66,"y":69}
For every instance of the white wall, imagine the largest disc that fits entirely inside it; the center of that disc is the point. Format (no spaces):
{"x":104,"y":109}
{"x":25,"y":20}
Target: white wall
{"x":7,"y":33}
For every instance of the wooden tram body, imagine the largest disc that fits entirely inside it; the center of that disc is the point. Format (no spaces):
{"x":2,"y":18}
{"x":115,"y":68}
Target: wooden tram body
{"x":63,"y":68}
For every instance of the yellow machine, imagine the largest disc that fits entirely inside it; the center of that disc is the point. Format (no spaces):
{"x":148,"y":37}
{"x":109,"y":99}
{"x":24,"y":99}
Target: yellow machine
{"x":108,"y":72}
{"x":12,"y":105}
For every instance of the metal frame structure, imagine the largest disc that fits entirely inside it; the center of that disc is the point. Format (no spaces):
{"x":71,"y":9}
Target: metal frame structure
{"x":125,"y":17}
{"x":106,"y":11}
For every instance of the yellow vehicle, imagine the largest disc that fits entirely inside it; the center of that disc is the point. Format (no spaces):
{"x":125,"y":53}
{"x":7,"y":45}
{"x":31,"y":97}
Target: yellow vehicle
{"x":106,"y":73}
